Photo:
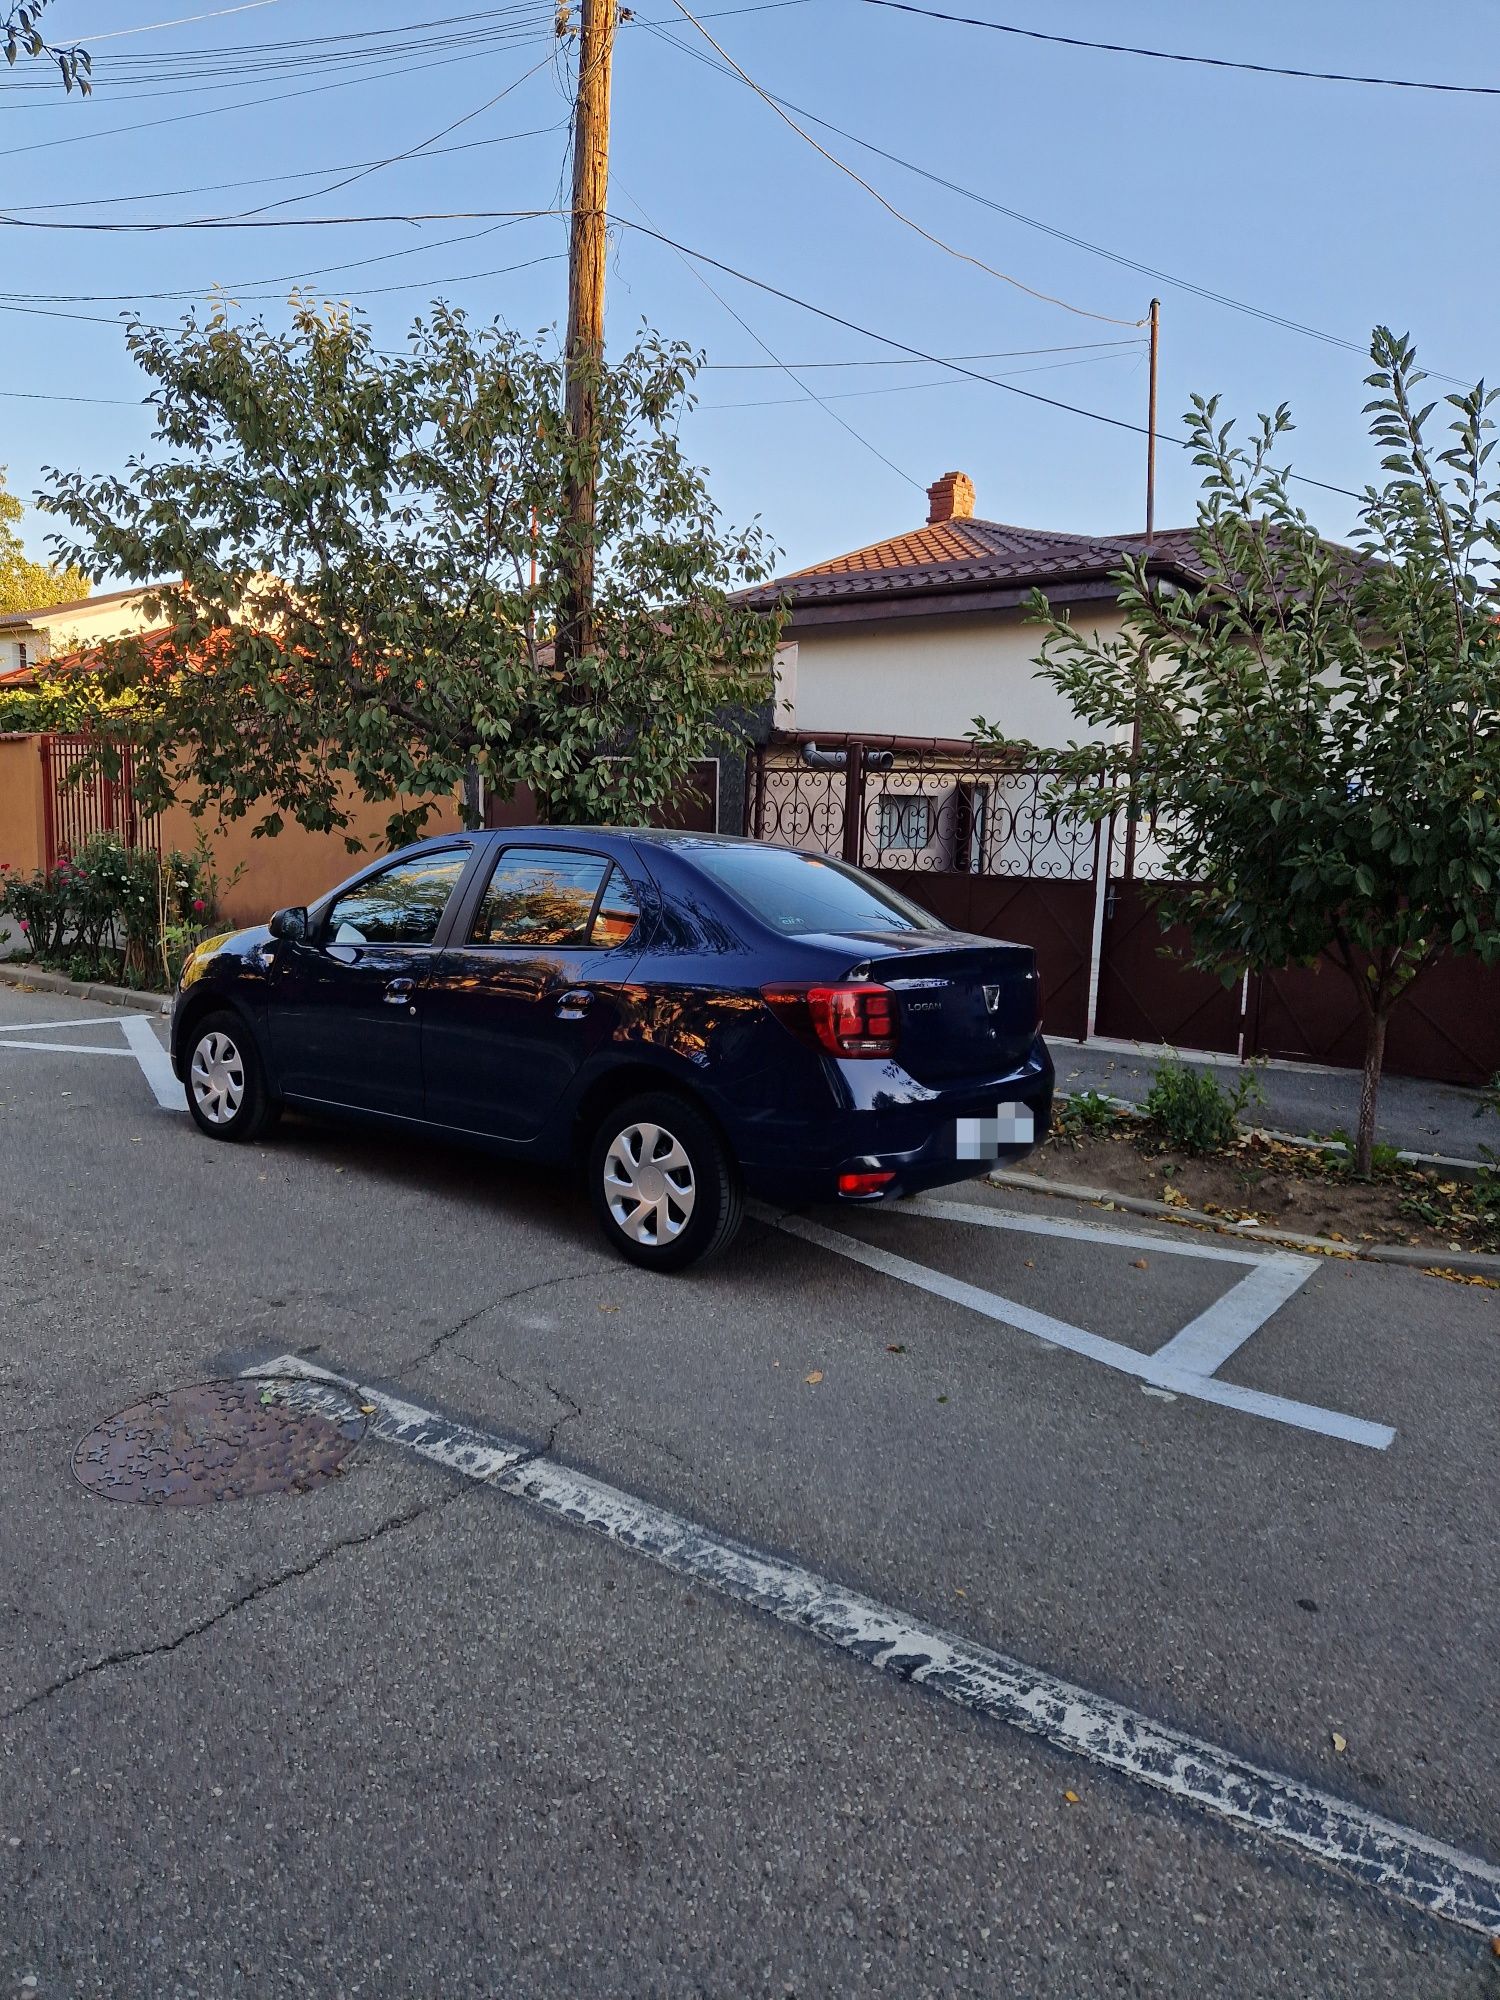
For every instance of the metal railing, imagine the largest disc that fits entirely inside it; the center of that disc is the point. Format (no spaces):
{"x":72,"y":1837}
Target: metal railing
{"x":80,"y":798}
{"x":932,"y":805}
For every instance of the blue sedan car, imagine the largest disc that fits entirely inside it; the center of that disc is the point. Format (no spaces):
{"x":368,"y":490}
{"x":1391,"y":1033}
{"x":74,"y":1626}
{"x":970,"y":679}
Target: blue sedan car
{"x":691,"y":1017}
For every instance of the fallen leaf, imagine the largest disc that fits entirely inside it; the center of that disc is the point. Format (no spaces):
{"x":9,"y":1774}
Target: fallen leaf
{"x":367,"y":1409}
{"x":1139,"y":1264}
{"x":942,"y":1399}
{"x":957,"y":1592}
{"x":816,"y":1376}
{"x":1031,"y":1263}
{"x":894,"y":1347}
{"x":609,"y":1309}
{"x":1340,"y":1743}
{"x":1072,"y":1798}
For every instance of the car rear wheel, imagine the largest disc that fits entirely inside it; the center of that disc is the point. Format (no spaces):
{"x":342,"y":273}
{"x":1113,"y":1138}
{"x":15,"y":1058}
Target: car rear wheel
{"x":664,"y":1185}
{"x":226,"y":1085}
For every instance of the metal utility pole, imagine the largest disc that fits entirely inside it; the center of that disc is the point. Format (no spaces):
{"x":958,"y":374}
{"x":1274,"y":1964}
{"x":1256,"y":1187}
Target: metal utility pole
{"x":1151,"y":424}
{"x":585,"y":352}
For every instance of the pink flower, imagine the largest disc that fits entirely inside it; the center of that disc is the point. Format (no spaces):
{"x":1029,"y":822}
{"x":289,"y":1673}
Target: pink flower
{"x":199,"y":905}
{"x":24,"y":925}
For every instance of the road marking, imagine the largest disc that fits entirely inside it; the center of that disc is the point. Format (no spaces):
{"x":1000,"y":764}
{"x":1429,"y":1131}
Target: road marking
{"x":1093,"y":1346}
{"x":1395,"y":1860}
{"x":156,"y":1064}
{"x":69,"y":1048}
{"x":41,"y":1027}
{"x":1207,"y":1342}
{"x":141,"y":1045}
{"x":1084,"y":1232}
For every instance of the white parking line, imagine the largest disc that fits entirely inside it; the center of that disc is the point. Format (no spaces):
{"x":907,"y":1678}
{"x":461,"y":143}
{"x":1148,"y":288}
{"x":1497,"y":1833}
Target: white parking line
{"x":1149,"y":1368}
{"x":1396,"y":1860}
{"x":156,"y":1064}
{"x":142,"y":1046}
{"x":1207,"y":1342}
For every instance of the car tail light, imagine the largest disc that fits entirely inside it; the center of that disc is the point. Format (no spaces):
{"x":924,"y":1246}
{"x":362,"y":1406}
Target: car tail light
{"x":862,"y":1183}
{"x":848,"y":1020}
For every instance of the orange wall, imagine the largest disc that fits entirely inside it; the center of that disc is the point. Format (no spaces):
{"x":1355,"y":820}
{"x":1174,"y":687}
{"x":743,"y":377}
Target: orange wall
{"x":22,"y":834}
{"x":293,"y":866}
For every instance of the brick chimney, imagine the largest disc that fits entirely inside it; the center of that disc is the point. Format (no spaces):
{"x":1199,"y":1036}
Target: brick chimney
{"x":950,"y":498}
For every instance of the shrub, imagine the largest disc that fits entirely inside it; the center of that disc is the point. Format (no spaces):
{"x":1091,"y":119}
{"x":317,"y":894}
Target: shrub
{"x":1076,"y":1114}
{"x":1191,"y":1112}
{"x":114,"y":911}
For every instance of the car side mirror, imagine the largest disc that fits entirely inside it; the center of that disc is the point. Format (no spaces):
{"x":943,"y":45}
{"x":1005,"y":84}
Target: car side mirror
{"x":290,"y":924}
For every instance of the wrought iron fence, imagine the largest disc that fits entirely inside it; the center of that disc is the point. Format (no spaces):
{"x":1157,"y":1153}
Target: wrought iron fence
{"x":79,"y":798}
{"x":931,"y":805}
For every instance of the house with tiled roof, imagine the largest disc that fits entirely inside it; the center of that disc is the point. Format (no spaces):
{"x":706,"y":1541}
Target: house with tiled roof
{"x":33,"y":639}
{"x":918,"y":634}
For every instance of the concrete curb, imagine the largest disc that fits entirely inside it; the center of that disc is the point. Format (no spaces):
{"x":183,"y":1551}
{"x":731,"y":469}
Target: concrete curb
{"x":1477,"y":1263}
{"x":1448,"y":1163}
{"x":42,"y":981}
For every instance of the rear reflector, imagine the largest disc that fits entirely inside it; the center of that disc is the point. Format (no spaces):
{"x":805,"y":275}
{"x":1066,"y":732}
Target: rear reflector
{"x":863,"y":1183}
{"x":847,"y":1020}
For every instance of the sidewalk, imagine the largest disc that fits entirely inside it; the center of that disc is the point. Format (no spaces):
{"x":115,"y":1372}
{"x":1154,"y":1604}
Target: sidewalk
{"x":1412,"y":1115}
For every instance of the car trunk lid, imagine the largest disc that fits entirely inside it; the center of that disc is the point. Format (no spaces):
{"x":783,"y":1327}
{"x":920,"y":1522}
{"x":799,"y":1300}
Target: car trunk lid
{"x":967,"y":1006}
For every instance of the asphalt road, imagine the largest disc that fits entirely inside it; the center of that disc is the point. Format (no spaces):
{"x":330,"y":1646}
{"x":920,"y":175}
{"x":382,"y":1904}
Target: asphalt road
{"x":412,"y":1734}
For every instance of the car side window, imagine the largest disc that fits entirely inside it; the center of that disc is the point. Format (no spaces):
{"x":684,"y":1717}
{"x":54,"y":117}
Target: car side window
{"x":540,"y":896}
{"x":618,"y":914}
{"x":403,"y":904}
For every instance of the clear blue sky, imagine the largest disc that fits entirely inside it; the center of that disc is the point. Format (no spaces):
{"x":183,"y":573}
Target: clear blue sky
{"x":1335,"y":205}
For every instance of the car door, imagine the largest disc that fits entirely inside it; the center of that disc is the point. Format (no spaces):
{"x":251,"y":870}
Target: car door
{"x":513,"y":1008}
{"x":345,"y":1020}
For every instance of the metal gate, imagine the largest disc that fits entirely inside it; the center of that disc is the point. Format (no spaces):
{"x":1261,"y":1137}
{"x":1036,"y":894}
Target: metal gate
{"x":80,"y":799}
{"x":969,"y":835}
{"x":965,"y":832}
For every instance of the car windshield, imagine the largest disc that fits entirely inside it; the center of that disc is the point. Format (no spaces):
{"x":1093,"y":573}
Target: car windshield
{"x":798,"y":893}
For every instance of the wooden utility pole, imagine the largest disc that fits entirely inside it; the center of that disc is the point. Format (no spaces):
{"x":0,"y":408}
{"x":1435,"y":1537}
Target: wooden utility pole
{"x":585,"y":353}
{"x":1151,"y":424}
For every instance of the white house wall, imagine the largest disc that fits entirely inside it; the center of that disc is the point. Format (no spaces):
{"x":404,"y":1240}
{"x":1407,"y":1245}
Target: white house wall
{"x":931,"y":677}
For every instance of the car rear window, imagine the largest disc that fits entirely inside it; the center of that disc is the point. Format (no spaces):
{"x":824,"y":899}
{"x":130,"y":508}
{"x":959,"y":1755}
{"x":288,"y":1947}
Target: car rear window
{"x":798,"y":893}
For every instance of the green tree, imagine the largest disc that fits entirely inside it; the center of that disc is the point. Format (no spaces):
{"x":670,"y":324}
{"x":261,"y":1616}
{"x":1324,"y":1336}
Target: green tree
{"x":1316,"y":729}
{"x":372,"y":550}
{"x":26,"y":585}
{"x":22,"y":36}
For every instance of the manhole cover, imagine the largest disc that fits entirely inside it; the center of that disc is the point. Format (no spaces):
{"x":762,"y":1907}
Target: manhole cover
{"x":215,"y":1441}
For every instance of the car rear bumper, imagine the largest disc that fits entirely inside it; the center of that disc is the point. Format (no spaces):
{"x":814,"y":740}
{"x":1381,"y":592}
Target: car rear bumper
{"x":923,"y":1139}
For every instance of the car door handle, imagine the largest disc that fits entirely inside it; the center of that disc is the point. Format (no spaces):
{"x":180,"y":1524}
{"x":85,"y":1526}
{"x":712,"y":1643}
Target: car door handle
{"x":574,"y":1004}
{"x":398,"y":993}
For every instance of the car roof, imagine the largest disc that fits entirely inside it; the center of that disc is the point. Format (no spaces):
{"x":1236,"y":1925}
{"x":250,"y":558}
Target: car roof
{"x":656,"y":836}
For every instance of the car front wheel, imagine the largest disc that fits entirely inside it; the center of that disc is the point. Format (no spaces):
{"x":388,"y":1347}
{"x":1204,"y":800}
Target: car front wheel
{"x":226,"y":1086}
{"x":665,"y":1188}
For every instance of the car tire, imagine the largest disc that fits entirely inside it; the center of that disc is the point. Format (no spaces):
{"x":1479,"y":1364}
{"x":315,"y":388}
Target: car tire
{"x":665,"y":1187}
{"x":225,"y":1084}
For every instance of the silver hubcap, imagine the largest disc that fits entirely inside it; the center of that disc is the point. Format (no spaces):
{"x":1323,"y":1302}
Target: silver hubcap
{"x":648,"y":1181}
{"x":218,"y":1078}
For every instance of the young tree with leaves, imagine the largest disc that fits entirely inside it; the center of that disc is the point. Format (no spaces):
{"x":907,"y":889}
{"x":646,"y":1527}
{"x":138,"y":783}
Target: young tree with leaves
{"x":372,"y":555}
{"x":1315,"y":733}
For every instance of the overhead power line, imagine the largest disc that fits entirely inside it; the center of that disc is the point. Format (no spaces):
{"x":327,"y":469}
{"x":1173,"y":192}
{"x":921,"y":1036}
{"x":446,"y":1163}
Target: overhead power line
{"x":890,"y":207}
{"x":896,"y":361}
{"x":1206,"y":62}
{"x":1264,"y":313}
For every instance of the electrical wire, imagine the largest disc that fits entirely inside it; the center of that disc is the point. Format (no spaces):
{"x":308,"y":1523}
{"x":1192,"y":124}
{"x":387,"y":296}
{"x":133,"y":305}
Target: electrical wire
{"x":1207,"y":62}
{"x":1151,"y":271}
{"x":902,"y":388}
{"x":888,"y":361}
{"x":890,"y":207}
{"x":411,"y":152}
{"x":808,"y":394}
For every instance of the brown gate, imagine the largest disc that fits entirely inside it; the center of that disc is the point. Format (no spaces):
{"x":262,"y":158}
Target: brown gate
{"x":79,"y":799}
{"x":965,"y":832}
{"x":1148,"y":991}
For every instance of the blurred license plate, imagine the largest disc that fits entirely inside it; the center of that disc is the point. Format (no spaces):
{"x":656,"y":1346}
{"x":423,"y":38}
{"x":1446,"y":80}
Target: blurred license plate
{"x":985,"y":1138}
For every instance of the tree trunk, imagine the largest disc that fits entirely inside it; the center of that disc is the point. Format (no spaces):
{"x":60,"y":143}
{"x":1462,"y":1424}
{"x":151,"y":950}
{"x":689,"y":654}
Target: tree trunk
{"x":1369,"y":1090}
{"x":473,"y":807}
